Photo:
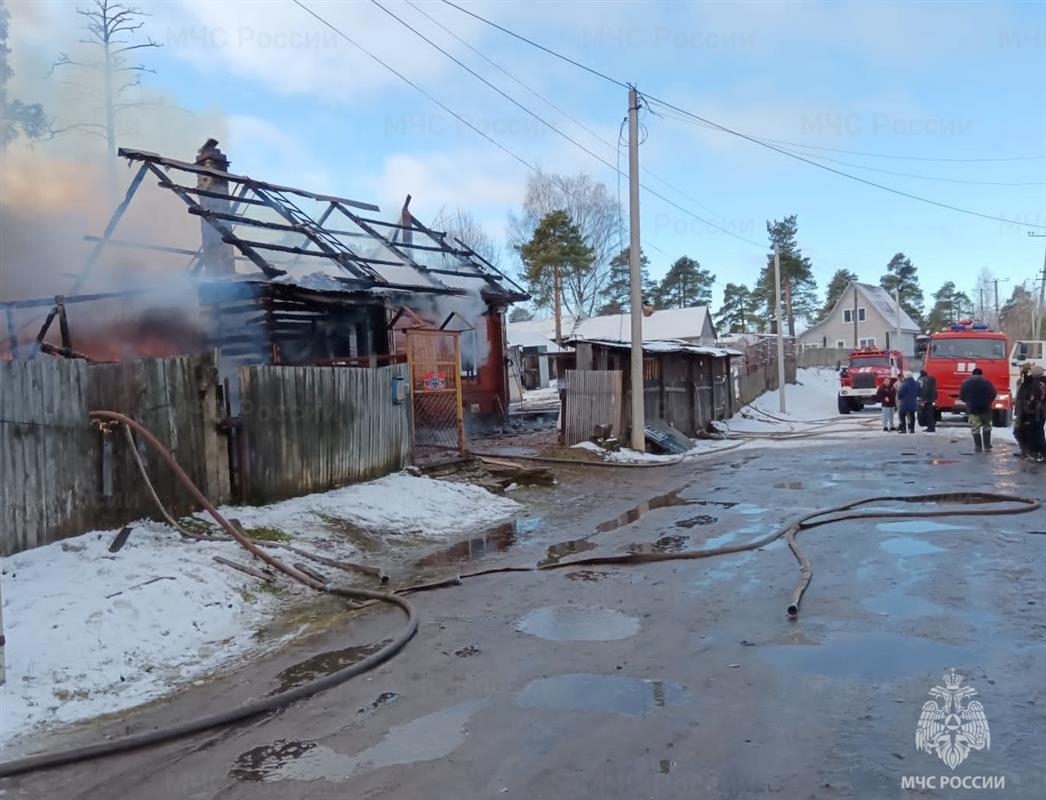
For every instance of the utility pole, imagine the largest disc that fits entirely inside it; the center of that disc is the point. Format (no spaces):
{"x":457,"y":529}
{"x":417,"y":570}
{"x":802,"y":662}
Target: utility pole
{"x":638,"y":437}
{"x":855,"y":317}
{"x":897,"y":300}
{"x":998,"y":317}
{"x":557,"y":288}
{"x":1036,"y":331}
{"x":780,"y":329}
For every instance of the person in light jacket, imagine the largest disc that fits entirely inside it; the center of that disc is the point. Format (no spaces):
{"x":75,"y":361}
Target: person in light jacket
{"x":908,"y":403}
{"x":886,"y":397}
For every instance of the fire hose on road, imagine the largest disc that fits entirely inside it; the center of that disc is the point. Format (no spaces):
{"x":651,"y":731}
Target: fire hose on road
{"x":967,"y":500}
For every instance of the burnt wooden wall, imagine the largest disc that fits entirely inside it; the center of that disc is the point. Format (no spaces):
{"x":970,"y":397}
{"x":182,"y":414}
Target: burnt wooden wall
{"x":310,"y":429}
{"x":59,"y":476}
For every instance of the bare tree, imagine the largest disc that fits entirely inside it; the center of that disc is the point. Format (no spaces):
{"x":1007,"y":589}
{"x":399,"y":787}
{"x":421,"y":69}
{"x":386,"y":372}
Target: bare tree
{"x":460,"y":224}
{"x":112,"y":33}
{"x":595,"y":212}
{"x":984,"y":297}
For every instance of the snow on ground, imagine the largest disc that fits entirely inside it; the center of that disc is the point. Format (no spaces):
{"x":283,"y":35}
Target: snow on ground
{"x":92,"y":632}
{"x":627,"y":456}
{"x":812,"y":399}
{"x":547,"y":398}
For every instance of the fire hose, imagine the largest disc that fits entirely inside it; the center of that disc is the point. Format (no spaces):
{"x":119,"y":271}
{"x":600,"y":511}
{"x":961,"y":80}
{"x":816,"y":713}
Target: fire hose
{"x":252,"y":709}
{"x":826,"y":516}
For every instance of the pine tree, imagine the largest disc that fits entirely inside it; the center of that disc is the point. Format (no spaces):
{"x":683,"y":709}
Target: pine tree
{"x":901,"y":275}
{"x":555,"y":255}
{"x":796,"y":273}
{"x":949,"y":306}
{"x":16,"y":118}
{"x":736,"y":315}
{"x":685,"y":284}
{"x":520,"y":314}
{"x":618,"y":290}
{"x":840,"y":280}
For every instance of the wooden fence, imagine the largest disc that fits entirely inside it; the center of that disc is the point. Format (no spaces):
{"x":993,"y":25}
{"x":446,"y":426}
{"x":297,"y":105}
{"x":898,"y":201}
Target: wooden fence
{"x":303,"y":429}
{"x":310,"y":429}
{"x":60,"y":475}
{"x":594,"y":397}
{"x":824,"y":356}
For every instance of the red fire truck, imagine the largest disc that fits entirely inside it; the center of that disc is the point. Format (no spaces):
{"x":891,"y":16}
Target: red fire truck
{"x":860,"y":380}
{"x":953,"y":354}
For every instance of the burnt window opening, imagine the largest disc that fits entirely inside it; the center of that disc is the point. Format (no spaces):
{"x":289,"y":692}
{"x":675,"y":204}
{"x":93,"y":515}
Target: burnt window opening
{"x":469,"y":343}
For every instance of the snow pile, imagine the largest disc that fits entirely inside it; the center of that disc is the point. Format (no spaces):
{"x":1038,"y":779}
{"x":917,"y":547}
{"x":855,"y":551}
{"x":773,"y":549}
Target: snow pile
{"x":92,"y":632}
{"x":541,"y":398}
{"x":812,"y":399}
{"x":627,"y":456}
{"x":396,"y":504}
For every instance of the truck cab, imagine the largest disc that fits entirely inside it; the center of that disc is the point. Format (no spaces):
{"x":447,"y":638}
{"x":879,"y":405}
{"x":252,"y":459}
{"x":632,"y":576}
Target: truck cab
{"x":951,"y":358}
{"x":860,"y":379}
{"x":1025,"y":352}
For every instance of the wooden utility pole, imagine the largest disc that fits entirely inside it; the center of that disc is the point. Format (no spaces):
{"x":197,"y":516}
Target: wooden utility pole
{"x":638,"y":438}
{"x":1036,"y":328}
{"x":557,"y":290}
{"x":855,"y":316}
{"x":780,"y":330}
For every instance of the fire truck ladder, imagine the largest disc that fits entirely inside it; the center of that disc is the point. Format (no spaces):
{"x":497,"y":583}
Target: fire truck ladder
{"x":328,"y":243}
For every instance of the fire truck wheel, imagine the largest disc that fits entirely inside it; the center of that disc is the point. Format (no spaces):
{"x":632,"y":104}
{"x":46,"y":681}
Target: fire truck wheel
{"x":1000,"y":418}
{"x":844,"y":405}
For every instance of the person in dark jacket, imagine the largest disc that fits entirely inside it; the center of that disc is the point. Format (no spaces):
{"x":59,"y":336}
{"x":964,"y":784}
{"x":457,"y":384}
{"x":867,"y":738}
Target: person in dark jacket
{"x":886,"y":397}
{"x":908,"y":402}
{"x":1029,"y":414}
{"x":977,"y":392}
{"x":928,"y":401}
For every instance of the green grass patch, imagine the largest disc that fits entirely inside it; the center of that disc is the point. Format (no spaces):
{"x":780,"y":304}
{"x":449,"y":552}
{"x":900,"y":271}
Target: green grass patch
{"x":268,"y":534}
{"x":197,"y":525}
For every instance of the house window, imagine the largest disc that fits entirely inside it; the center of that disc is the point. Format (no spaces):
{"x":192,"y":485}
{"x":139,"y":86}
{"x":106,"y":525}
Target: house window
{"x":840,"y":343}
{"x":469,"y":353}
{"x":848,"y":314}
{"x":869,"y":342}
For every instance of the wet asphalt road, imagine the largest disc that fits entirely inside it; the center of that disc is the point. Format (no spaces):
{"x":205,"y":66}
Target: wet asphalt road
{"x":682,"y":679}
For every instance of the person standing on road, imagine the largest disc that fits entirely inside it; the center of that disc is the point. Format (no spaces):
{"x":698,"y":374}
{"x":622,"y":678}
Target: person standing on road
{"x":928,"y":401}
{"x":1029,"y":415}
{"x":908,"y":402}
{"x":977,"y":392}
{"x":886,"y":397}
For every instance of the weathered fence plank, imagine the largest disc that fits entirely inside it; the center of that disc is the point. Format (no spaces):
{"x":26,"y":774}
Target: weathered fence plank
{"x":310,"y":429}
{"x":594,"y":397}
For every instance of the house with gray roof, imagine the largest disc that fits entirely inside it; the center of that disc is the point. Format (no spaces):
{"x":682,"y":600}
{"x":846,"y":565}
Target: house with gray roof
{"x":865,"y":315}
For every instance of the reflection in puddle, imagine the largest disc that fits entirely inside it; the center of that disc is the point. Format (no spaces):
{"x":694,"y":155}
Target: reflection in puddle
{"x":873,"y":657}
{"x":427,"y":738}
{"x":899,"y":604}
{"x":666,"y":544}
{"x":568,"y":548}
{"x":907,"y":546}
{"x":324,"y":664}
{"x":693,"y":522}
{"x":578,"y":624}
{"x":495,"y":540}
{"x":633,"y":514}
{"x":587,"y":575}
{"x":918,"y":526}
{"x":612,"y":694}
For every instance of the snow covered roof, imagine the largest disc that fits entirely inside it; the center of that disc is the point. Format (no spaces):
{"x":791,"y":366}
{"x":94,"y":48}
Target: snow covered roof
{"x":527,"y":338}
{"x":880,"y":298}
{"x":667,"y":323}
{"x":668,"y":346}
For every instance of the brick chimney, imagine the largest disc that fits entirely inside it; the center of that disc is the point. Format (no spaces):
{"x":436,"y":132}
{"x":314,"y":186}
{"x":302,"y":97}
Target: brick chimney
{"x":218,"y":256}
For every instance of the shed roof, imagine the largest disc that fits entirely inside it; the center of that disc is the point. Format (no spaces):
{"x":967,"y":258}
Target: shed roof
{"x":655,"y":346}
{"x":667,"y":323}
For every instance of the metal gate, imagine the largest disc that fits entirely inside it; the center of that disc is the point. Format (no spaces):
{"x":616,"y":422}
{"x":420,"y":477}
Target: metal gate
{"x":434,"y":359}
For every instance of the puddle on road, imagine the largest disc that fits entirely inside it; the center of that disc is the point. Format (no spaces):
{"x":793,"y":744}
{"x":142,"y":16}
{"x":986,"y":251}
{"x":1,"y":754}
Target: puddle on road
{"x":563,"y":549}
{"x":587,"y":575}
{"x":427,"y":738}
{"x":666,"y":544}
{"x":693,"y":522}
{"x":324,"y":664}
{"x":494,"y":540}
{"x":897,"y":603}
{"x":872,"y":657}
{"x":918,"y":526}
{"x":907,"y":546}
{"x":611,"y":694}
{"x":578,"y":624}
{"x":720,"y":503}
{"x":633,"y":514}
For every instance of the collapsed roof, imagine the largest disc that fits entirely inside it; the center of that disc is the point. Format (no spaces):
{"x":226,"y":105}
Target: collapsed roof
{"x":282,"y":234}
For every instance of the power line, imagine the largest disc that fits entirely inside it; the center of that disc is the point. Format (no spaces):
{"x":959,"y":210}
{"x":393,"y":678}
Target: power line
{"x":552,"y":127}
{"x":725,"y":129}
{"x":903,"y":158}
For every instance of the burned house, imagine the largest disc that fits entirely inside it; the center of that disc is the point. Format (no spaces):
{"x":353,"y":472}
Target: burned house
{"x":286,"y":276}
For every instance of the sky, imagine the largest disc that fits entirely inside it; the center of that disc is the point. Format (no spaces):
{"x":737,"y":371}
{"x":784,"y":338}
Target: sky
{"x":920,"y":82}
